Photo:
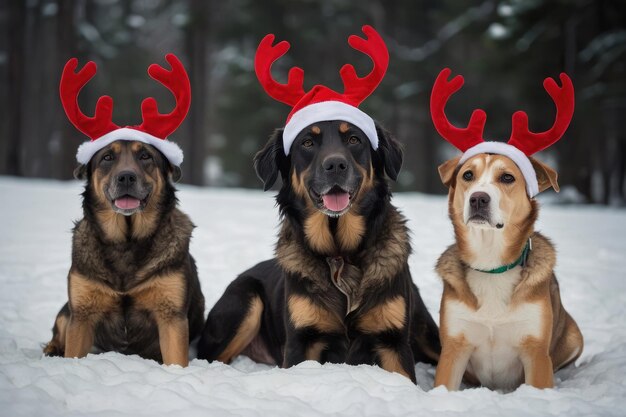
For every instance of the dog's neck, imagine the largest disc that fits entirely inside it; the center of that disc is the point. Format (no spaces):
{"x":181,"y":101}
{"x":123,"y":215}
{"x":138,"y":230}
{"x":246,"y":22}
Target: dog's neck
{"x":334,"y":236}
{"x":486,"y":249}
{"x":117,"y":228}
{"x":114,"y":228}
{"x":382,"y":251}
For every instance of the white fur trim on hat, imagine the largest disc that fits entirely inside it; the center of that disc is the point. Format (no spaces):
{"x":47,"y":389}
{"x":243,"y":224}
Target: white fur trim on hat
{"x":325,"y":111}
{"x":517,"y":156}
{"x":172,"y":151}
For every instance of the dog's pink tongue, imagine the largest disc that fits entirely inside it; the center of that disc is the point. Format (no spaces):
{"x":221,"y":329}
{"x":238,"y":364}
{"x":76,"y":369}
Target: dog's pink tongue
{"x":127,"y":203}
{"x":336,"y":201}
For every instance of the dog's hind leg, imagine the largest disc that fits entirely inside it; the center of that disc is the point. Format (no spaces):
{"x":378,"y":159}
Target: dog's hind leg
{"x":56,"y":346}
{"x":569,"y":346}
{"x":425,"y":342}
{"x":233,"y":323}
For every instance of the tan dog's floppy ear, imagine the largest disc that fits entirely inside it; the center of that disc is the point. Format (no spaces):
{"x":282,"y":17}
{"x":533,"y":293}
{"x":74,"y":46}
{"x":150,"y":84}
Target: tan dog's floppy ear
{"x":546,"y":176}
{"x":447,"y":170}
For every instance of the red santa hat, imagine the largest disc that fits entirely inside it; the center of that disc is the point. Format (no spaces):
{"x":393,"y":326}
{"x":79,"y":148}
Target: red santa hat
{"x":522,"y":143}
{"x":100,"y":128}
{"x":321,"y":103}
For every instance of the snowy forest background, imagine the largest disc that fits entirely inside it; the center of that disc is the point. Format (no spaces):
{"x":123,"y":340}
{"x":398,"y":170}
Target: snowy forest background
{"x":503,"y":48}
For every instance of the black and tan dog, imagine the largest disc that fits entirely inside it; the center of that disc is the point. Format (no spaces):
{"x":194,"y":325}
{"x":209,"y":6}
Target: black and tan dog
{"x":132,"y":286}
{"x":339,"y":289}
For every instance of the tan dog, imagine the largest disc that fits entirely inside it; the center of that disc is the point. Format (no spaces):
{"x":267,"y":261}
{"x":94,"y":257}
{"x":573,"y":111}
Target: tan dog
{"x":509,"y":328}
{"x":501,"y":317}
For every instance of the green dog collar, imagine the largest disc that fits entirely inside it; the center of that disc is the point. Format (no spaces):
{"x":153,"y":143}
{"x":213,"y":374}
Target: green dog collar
{"x":520,"y":261}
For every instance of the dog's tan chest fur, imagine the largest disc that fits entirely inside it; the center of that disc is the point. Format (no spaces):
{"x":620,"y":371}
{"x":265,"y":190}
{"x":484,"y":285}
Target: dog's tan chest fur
{"x":496,"y":329}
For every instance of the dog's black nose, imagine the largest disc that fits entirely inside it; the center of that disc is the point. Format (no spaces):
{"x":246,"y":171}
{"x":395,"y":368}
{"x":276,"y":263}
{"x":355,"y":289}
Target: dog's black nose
{"x":479,"y":200}
{"x":335,"y":163}
{"x":126,"y":178}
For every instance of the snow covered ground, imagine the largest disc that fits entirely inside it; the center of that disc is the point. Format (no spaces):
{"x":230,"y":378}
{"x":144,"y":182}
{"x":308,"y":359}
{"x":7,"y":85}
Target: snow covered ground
{"x":236,"y":229}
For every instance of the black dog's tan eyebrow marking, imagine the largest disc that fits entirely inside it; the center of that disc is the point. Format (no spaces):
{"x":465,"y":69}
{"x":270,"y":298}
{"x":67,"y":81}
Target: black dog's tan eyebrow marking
{"x":116,"y":147}
{"x":316,"y":130}
{"x":344,"y":127}
{"x":136,"y":146}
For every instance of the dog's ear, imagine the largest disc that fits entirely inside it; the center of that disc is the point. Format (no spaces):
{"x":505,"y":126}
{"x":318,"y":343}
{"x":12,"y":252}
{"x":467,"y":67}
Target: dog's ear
{"x":390,"y":152}
{"x":447,"y":171}
{"x":169,"y":170}
{"x":174,"y":172}
{"x":270,"y":160}
{"x":80,"y":173}
{"x":546,"y":176}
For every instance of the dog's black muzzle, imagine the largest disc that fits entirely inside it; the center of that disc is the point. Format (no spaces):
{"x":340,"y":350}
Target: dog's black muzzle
{"x":127,"y":193}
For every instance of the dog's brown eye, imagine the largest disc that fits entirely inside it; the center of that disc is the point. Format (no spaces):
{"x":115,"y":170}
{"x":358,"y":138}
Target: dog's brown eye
{"x":145,"y":156}
{"x":107,"y":157}
{"x":307,"y":143}
{"x":507,"y":178}
{"x":468,"y":175}
{"x":354,"y":140}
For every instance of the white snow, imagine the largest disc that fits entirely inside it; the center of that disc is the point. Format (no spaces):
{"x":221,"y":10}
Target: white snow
{"x":236,"y":229}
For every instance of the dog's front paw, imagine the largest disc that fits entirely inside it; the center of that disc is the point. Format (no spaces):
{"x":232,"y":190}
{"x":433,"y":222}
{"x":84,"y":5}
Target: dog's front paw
{"x":53,"y":348}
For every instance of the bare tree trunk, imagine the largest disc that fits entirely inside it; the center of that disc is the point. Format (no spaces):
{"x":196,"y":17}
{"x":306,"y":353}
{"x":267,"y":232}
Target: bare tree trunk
{"x":59,"y":136}
{"x":577,"y":164}
{"x":197,"y":50}
{"x":32,"y":152}
{"x":32,"y":141}
{"x":13,"y":101}
{"x":66,"y":33}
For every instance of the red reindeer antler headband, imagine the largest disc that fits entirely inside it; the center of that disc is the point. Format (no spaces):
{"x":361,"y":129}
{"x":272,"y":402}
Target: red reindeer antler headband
{"x":155,"y":126}
{"x":321,"y":103}
{"x":522,"y":143}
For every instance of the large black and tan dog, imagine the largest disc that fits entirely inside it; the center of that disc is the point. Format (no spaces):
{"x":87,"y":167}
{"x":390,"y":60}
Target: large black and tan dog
{"x":132,"y":286}
{"x":339,"y":289}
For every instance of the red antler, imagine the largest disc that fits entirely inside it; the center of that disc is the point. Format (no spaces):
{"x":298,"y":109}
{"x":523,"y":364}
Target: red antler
{"x":465,"y":138}
{"x":563,"y":98}
{"x":71,"y":84}
{"x":177,"y":81}
{"x":357,"y":89}
{"x":266,"y":55}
